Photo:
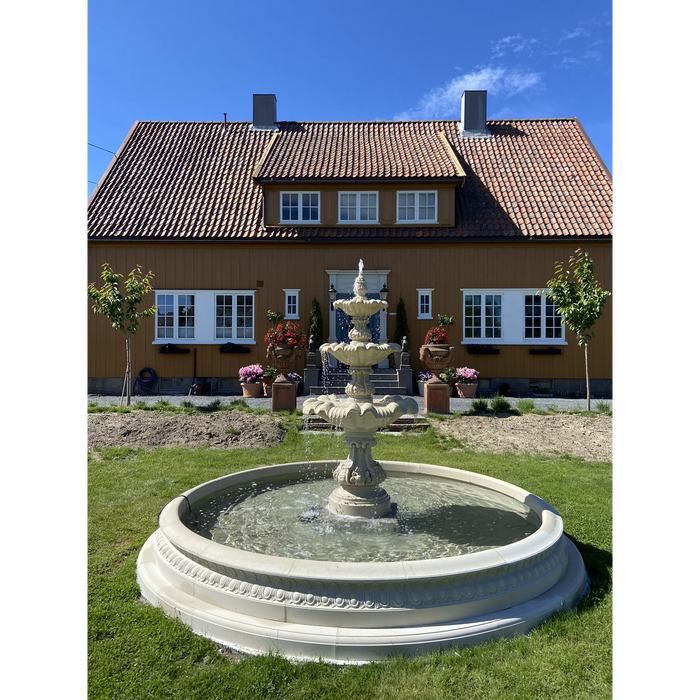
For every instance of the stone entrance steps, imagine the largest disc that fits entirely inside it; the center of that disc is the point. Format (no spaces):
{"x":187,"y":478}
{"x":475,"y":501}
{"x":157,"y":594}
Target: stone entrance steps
{"x":386,"y":381}
{"x":403,"y":423}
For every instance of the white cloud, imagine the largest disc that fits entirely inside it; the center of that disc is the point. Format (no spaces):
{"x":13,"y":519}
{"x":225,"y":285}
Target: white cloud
{"x":444,"y":102}
{"x":514,"y":43}
{"x":579,"y":31}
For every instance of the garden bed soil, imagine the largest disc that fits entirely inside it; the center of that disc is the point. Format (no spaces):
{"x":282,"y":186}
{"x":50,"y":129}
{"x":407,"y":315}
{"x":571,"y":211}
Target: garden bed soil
{"x":589,"y":438}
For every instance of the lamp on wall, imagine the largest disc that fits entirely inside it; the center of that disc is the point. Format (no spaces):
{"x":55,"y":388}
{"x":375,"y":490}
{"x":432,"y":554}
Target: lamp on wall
{"x":383,"y":292}
{"x":332,"y":292}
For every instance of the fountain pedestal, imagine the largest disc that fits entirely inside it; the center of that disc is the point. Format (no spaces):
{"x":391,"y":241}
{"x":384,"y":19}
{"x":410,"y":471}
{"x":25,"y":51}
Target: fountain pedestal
{"x":359,"y":477}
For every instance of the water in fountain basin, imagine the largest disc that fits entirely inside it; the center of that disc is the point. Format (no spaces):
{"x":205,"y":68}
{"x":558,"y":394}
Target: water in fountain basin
{"x":435,"y":518}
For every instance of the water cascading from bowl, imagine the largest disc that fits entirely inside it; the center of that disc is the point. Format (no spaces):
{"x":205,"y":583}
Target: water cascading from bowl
{"x":360,"y":415}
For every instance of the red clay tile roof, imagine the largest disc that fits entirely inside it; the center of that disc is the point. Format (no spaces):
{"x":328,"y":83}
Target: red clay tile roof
{"x":191,"y":180}
{"x":386,"y":150}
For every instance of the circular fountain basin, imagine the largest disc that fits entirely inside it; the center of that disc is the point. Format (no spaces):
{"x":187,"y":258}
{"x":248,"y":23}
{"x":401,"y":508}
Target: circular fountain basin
{"x":359,"y":611}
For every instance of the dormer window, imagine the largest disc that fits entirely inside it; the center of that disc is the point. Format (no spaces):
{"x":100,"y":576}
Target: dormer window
{"x":416,"y":207}
{"x":357,"y":206}
{"x":300,"y":207}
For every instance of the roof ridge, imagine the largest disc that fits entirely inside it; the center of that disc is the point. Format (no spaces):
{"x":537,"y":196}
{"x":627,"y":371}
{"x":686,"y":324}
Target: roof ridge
{"x":356,"y":121}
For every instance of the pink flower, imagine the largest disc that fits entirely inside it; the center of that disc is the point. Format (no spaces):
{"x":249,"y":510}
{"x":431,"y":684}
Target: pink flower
{"x":466,"y":375}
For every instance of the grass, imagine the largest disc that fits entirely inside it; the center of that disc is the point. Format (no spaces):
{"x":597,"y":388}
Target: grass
{"x":136,"y":652}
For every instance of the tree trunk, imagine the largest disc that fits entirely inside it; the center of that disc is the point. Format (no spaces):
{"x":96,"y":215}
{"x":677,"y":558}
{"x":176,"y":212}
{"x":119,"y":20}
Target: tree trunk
{"x":128,"y":370}
{"x":588,"y":383}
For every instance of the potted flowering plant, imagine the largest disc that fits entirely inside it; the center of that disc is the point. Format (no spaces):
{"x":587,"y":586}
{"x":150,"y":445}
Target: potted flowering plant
{"x":284,"y":341}
{"x":297,"y":379}
{"x":466,"y":382}
{"x":421,"y":379}
{"x":251,"y":380}
{"x":438,"y":335}
{"x":286,"y":334}
{"x":269,"y":376}
{"x":436,"y":351}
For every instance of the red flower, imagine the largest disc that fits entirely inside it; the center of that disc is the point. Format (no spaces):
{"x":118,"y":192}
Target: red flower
{"x":288,"y":334}
{"x":436,"y":336}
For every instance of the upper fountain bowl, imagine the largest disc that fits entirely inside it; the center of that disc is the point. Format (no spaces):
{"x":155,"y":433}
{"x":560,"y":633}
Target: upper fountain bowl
{"x":360,"y":354}
{"x":360,"y":306}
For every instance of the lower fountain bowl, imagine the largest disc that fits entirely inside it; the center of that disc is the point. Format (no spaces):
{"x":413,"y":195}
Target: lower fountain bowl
{"x":350,"y":612}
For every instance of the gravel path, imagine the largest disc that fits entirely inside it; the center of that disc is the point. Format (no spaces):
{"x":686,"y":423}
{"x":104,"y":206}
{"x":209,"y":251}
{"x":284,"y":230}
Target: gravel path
{"x":456,"y":405}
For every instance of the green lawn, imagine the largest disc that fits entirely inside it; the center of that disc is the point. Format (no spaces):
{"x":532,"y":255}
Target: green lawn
{"x":136,"y":652}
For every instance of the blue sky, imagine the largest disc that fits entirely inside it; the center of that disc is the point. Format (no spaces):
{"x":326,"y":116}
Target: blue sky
{"x":376,"y":60}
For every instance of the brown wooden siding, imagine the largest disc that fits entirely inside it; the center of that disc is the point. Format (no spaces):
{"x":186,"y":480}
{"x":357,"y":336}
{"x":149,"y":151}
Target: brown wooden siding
{"x":386,"y":201}
{"x":445,"y":267}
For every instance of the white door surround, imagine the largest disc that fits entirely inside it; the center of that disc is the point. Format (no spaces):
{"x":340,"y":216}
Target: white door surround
{"x":342,"y":281}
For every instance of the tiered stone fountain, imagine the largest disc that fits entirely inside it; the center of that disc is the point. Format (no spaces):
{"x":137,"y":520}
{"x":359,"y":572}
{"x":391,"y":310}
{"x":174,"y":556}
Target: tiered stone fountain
{"x":359,"y":414}
{"x":256,"y":561}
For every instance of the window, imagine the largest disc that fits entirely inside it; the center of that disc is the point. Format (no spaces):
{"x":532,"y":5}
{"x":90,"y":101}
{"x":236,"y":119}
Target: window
{"x":416,"y":207}
{"x":175,"y":316}
{"x":537,"y":309}
{"x":425,"y":303}
{"x":205,"y":316}
{"x":510,"y":317}
{"x":291,"y":303}
{"x":234,"y":316}
{"x":482,"y":316}
{"x":300,"y":207}
{"x":357,"y":206}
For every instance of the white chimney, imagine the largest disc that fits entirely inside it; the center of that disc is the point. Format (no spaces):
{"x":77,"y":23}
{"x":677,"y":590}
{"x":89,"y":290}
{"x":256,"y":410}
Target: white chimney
{"x":473,"y":120}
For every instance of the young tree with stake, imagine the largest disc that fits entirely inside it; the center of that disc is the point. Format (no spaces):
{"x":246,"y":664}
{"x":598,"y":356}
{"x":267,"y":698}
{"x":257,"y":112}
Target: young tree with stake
{"x":121,"y":308}
{"x":579,"y":298}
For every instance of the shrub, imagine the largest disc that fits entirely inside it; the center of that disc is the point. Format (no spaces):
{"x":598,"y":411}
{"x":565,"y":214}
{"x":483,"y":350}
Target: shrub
{"x":500,"y":404}
{"x":480,"y":405}
{"x":402,"y":330}
{"x":526,"y":406}
{"x":315,"y":326}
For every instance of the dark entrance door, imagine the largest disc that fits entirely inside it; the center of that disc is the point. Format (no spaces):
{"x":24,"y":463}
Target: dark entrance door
{"x":343,"y":324}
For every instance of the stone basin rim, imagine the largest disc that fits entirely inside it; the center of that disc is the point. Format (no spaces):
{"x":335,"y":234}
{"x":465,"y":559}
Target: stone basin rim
{"x":222,"y":557}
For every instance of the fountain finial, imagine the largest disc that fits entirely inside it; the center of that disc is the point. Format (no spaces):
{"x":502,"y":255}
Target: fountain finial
{"x":361,"y":267}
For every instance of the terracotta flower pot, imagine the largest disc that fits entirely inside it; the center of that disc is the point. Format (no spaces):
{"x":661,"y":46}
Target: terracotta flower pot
{"x":252,"y":391}
{"x":436,"y":357}
{"x":282,"y":356}
{"x":466,"y":391}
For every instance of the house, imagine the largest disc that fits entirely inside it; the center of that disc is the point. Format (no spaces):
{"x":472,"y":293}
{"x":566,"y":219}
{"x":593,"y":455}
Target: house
{"x":465,"y":218}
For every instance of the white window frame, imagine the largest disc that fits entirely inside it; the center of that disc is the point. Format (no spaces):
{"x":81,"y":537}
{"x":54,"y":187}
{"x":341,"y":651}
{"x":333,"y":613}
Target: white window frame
{"x":496,"y":299}
{"x":358,"y":208}
{"x":300,"y":206}
{"x":181,"y":311}
{"x":205,"y":328}
{"x":416,"y":211}
{"x":540,"y":299}
{"x":287,"y":294}
{"x":425,"y":291}
{"x":513,"y":330}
